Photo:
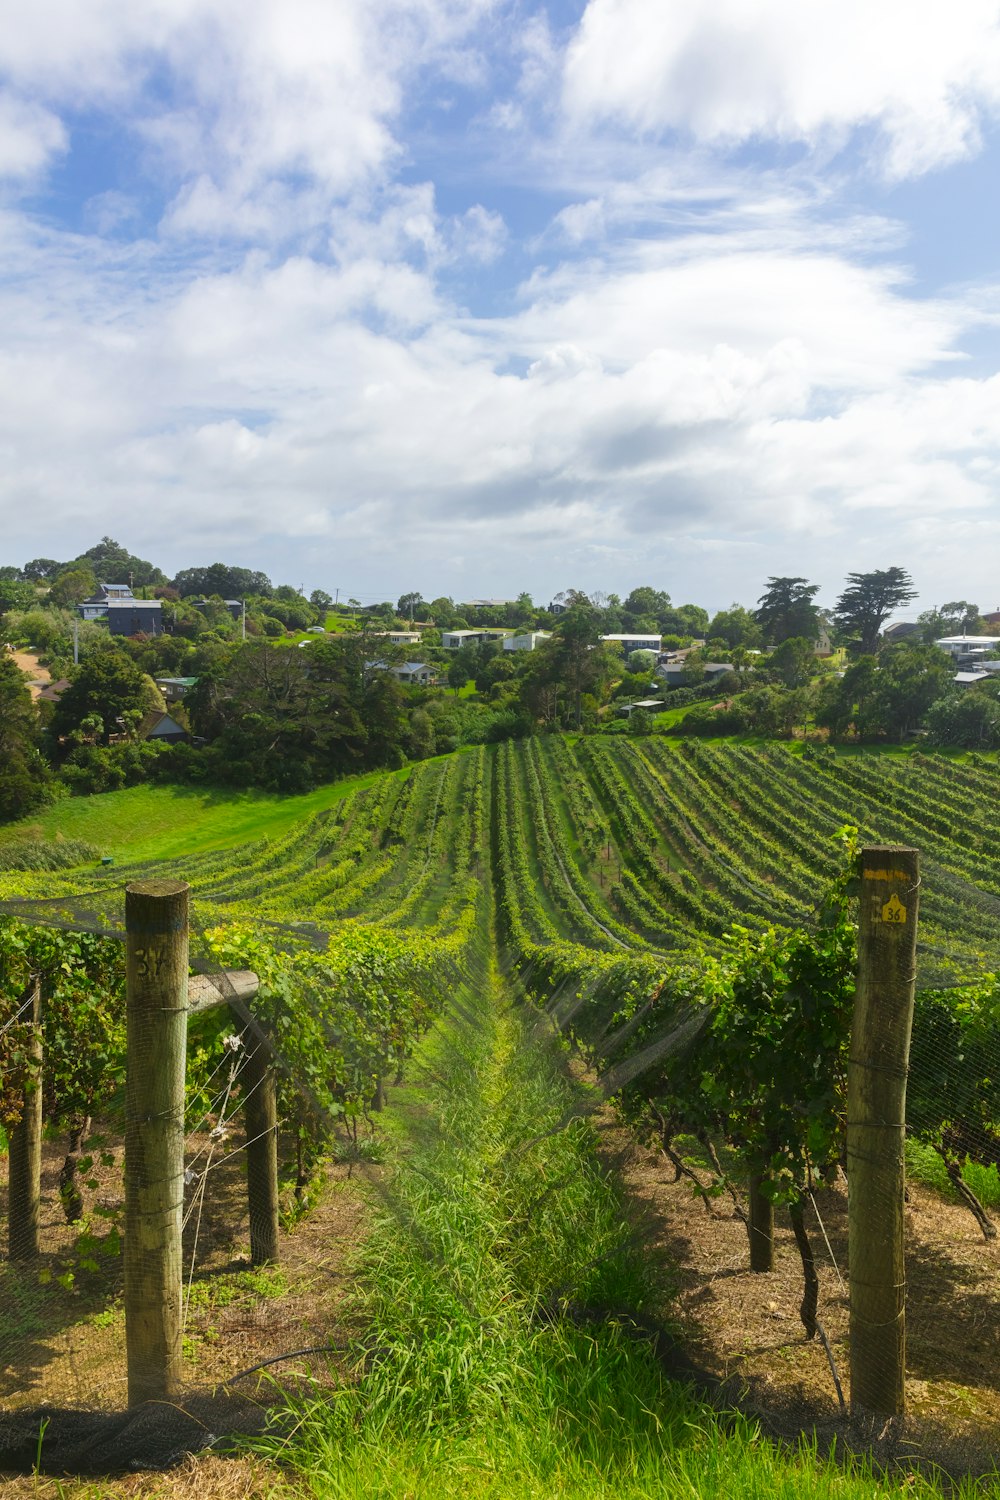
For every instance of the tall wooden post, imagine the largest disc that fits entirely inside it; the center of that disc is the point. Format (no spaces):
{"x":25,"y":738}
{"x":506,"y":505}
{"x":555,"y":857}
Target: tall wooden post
{"x":156,"y":957}
{"x":876,"y":1117}
{"x":24,"y":1145}
{"x":260,"y":1118}
{"x":760,"y":1227}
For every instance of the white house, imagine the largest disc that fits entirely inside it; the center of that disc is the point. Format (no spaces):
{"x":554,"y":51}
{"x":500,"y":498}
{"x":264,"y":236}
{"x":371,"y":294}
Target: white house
{"x":454,"y":640}
{"x":526,"y":642}
{"x":398,"y":637}
{"x":968,"y":649}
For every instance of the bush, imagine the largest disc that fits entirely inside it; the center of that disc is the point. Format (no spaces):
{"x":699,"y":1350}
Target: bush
{"x":34,"y":854}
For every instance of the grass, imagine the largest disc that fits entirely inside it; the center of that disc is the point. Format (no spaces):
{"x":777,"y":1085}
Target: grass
{"x":925,"y":1165}
{"x":149,"y":822}
{"x":497,"y":1290}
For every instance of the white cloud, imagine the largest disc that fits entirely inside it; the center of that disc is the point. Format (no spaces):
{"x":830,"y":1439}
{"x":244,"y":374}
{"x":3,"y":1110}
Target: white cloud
{"x":922,"y":73}
{"x":30,"y":137}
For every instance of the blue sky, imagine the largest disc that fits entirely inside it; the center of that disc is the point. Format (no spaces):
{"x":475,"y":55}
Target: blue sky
{"x":474,"y":296}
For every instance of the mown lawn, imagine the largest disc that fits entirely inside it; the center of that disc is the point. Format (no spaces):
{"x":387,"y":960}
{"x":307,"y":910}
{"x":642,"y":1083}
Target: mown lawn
{"x":149,"y":822}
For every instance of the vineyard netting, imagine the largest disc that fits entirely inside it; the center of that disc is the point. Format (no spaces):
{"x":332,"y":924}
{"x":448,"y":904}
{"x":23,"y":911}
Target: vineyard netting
{"x":688,"y":919}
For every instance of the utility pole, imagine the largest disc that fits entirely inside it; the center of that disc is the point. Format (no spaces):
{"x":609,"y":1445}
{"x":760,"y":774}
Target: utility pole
{"x":244,"y":620}
{"x":76,"y":643}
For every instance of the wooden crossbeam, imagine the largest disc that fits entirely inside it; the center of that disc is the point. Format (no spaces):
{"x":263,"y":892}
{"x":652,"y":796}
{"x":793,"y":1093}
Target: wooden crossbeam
{"x":208,"y":990}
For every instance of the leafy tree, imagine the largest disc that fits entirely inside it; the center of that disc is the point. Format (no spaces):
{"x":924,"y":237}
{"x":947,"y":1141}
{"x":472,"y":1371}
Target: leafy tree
{"x":793,"y":662}
{"x":458,"y":673}
{"x":320,"y":599}
{"x":685,"y":620}
{"x":24,"y":777}
{"x":737,"y":627}
{"x":786,"y":609}
{"x":969,"y":720}
{"x":572,"y":663}
{"x":111,"y":563}
{"x":225,"y":581}
{"x":868,"y":601}
{"x":958,"y":617}
{"x":411,"y":606}
{"x":646,"y":601}
{"x":41,"y":569}
{"x":15,"y":595}
{"x":109,"y":684}
{"x":910,"y":679}
{"x":73,"y":586}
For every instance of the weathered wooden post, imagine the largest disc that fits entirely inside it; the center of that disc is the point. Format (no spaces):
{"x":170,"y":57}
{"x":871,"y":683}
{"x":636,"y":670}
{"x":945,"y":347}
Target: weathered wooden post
{"x":24,"y":1144}
{"x":760,"y":1226}
{"x":876,"y":1118}
{"x":260,"y":1117}
{"x":156,"y":958}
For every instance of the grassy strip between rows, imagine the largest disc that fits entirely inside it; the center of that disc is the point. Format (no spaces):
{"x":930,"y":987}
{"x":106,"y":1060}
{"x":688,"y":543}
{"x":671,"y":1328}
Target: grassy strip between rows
{"x":496,"y":1287}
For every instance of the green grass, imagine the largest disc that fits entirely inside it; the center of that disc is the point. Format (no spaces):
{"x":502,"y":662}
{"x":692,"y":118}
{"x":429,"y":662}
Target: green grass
{"x":149,"y":822}
{"x":496,"y":1292}
{"x":925,"y":1165}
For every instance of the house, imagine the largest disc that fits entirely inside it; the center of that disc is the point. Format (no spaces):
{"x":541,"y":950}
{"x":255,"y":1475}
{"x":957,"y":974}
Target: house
{"x":714,"y":669}
{"x":673,"y":673}
{"x":630,"y":643}
{"x":49,"y":692}
{"x":454,"y":640}
{"x":823,"y":645}
{"x":174,"y":688}
{"x":486,"y":603}
{"x":398,"y":637}
{"x":135,"y":616}
{"x":96,"y":607}
{"x":414,"y":674}
{"x":902,"y":630}
{"x":161,"y":726}
{"x":526,"y":642}
{"x":967,"y":679}
{"x":968,"y":650}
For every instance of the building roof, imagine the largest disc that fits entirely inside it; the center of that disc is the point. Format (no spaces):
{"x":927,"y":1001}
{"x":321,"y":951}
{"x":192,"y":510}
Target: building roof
{"x":631,"y":635}
{"x":971,"y":677}
{"x":176,"y":681}
{"x":133,"y":603}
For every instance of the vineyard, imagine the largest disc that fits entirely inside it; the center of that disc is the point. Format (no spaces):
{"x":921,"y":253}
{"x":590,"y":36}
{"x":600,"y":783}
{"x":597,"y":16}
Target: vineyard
{"x":685,"y":914}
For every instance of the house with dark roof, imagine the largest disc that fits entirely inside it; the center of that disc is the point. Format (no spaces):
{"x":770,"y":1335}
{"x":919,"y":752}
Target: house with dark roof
{"x":158,"y":725}
{"x":135,"y":616}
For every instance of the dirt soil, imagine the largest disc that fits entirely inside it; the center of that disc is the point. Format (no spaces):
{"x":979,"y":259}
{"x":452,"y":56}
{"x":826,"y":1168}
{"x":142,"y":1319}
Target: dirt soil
{"x":744,"y":1329}
{"x":29,"y":664}
{"x":62,"y":1342}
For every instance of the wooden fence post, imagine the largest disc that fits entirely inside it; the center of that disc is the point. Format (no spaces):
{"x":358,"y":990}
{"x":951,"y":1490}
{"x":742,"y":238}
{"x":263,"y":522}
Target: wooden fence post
{"x":24,"y":1145}
{"x":760,"y":1226}
{"x":876,"y":1119}
{"x":156,"y":958}
{"x":260,"y":1117}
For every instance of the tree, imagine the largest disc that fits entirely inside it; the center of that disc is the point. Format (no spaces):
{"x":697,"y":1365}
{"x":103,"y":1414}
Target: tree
{"x":225,"y":581}
{"x":969,"y":720}
{"x":16,"y":595}
{"x":320,"y":599}
{"x":958,"y":617}
{"x":108,"y":684}
{"x":868,"y":601}
{"x":40,"y":569}
{"x":73,"y":586}
{"x":786,"y":609}
{"x":646,"y":601}
{"x":111,"y":563}
{"x":24,"y":776}
{"x":737,"y":627}
{"x":793,"y":662}
{"x":411,"y":606}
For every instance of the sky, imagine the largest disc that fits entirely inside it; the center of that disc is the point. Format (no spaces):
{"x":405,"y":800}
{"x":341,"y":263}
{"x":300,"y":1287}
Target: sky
{"x":478,"y":296}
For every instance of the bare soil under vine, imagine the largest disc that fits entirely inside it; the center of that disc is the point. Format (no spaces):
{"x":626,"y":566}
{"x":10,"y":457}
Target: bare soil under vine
{"x":744,"y":1329}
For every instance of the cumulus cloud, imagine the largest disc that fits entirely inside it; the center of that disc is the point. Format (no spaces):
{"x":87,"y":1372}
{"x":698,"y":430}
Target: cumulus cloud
{"x":922,"y":74}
